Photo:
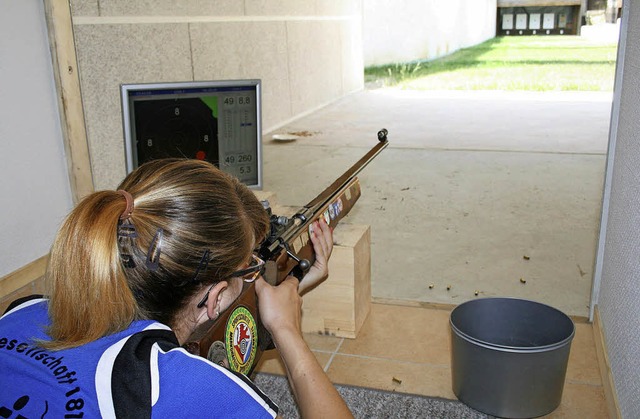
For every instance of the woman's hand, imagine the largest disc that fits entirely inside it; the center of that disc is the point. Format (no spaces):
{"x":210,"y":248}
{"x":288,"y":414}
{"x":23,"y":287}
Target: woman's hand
{"x":322,"y":240}
{"x":280,"y":306}
{"x":281,"y":313}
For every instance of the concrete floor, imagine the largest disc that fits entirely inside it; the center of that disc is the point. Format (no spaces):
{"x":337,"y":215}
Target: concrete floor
{"x":494,"y":193}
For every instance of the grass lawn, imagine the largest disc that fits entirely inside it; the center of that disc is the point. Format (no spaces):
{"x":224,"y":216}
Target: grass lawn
{"x":538,"y":63}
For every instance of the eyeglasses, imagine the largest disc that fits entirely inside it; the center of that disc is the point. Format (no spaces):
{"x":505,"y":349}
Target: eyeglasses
{"x":248,"y":275}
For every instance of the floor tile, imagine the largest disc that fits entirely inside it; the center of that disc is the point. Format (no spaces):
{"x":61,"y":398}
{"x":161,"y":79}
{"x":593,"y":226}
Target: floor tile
{"x":581,"y":401}
{"x":410,"y":334}
{"x":272,"y":364}
{"x":392,"y":375}
{"x":322,"y":343}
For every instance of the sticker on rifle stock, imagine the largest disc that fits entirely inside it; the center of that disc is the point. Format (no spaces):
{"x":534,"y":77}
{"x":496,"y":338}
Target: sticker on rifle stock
{"x":337,"y":207}
{"x":241,"y":340}
{"x":332,"y":211}
{"x":326,"y":217}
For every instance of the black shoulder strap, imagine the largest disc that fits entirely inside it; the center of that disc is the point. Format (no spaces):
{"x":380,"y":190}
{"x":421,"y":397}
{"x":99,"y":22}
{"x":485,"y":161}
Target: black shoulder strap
{"x":16,"y":303}
{"x":131,"y":379}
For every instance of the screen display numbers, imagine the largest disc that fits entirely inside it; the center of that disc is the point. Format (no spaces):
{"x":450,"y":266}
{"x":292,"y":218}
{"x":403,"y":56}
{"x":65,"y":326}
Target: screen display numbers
{"x":216,"y":121}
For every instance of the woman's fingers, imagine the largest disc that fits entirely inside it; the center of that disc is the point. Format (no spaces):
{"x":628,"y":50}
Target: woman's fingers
{"x":280,"y":306}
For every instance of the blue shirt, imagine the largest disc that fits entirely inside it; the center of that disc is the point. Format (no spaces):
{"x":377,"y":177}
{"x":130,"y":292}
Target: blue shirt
{"x":139,"y":372}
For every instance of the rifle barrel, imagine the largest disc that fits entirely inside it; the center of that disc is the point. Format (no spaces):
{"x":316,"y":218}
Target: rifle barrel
{"x":352,"y":172}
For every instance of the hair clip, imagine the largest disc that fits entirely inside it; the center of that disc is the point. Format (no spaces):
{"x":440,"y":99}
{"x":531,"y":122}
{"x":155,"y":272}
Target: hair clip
{"x":127,"y":260}
{"x":153,"y":254}
{"x":202,"y":266}
{"x":126,"y":230}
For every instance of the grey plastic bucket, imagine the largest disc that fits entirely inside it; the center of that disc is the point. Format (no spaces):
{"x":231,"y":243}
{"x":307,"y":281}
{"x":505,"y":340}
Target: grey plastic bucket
{"x":509,"y":356}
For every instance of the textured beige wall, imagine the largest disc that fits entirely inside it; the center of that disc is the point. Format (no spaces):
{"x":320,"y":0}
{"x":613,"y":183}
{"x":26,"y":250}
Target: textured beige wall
{"x":618,"y":296}
{"x":407,"y":30}
{"x":307,"y":54}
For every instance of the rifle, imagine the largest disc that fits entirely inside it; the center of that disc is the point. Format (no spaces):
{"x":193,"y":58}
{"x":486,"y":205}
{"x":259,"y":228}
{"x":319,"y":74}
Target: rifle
{"x":237,"y":339}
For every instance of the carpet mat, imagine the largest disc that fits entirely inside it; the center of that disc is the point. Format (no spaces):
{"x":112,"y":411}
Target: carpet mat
{"x":370,"y":403}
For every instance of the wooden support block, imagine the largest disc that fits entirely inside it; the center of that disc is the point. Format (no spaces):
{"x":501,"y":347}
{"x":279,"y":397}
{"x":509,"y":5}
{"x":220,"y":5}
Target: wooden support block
{"x":340,"y":305}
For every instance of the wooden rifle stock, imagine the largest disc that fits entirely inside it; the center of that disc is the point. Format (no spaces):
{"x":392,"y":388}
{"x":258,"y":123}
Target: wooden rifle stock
{"x":236,"y":339}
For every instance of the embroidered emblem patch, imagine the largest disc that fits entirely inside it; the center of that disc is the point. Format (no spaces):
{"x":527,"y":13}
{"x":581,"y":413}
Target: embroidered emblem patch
{"x":241,"y":340}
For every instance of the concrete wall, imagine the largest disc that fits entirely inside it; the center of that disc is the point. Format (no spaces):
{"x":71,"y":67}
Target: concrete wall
{"x":34,"y":190}
{"x":406,"y":30}
{"x":307,"y":53}
{"x":619,"y":283}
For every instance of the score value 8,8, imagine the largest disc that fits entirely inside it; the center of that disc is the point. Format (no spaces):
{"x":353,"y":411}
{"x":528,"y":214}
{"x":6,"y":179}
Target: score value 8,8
{"x":240,"y":100}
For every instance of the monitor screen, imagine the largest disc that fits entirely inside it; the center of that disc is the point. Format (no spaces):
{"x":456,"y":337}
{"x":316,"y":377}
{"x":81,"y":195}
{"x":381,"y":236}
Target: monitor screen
{"x":216,"y":121}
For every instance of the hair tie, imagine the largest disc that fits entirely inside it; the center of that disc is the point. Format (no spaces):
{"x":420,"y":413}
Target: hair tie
{"x":129,"y":209}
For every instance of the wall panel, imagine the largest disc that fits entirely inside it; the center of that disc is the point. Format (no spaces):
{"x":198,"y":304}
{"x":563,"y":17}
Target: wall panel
{"x":307,"y":54}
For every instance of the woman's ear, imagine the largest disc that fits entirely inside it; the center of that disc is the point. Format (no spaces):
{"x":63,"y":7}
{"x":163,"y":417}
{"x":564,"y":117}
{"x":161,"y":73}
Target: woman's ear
{"x":214,"y":300}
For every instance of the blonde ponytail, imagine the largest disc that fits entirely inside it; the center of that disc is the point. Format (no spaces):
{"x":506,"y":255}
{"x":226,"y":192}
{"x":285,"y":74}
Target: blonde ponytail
{"x":89,"y":294}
